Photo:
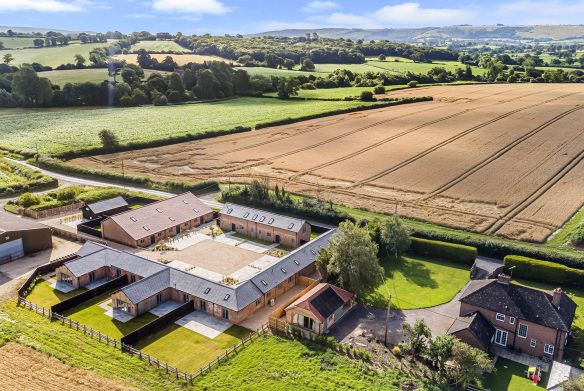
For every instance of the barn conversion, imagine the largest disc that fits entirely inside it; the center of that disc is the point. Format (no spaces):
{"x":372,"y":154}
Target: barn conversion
{"x":20,"y":236}
{"x":157,"y":221}
{"x":271,"y":227}
{"x":107,"y":207}
{"x":152,"y":283}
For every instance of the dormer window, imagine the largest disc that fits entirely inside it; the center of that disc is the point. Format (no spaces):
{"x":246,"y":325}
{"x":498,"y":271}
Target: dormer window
{"x":500,"y":317}
{"x":262,"y":219}
{"x":185,"y":202}
{"x":254,"y":217}
{"x":172,"y":219}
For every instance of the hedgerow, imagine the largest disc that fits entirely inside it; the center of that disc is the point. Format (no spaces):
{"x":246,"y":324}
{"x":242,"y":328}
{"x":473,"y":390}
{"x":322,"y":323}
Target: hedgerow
{"x":544,"y":271}
{"x":449,"y":251}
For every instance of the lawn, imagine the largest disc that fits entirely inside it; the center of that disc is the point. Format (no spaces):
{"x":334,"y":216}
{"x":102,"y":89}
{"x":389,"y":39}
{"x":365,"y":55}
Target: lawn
{"x":510,"y":376}
{"x":92,"y":315}
{"x":415,"y":282}
{"x":45,"y":296}
{"x":54,"y":56}
{"x":63,"y":129}
{"x":95,"y":75}
{"x":77,"y":350}
{"x":279,"y":72}
{"x":159,"y":46}
{"x":16,"y":42}
{"x":562,"y":238}
{"x":195,"y":349}
{"x":274,"y":363}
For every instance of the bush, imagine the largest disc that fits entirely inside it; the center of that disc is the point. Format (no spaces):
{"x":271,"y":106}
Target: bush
{"x":544,"y":271}
{"x":379,"y":90}
{"x":449,"y":251}
{"x":396,"y":351}
{"x":28,"y":199}
{"x":366,"y":96}
{"x":577,"y":236}
{"x":413,"y":84}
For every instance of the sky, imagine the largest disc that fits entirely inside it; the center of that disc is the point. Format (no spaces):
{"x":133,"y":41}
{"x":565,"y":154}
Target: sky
{"x":253,"y":16}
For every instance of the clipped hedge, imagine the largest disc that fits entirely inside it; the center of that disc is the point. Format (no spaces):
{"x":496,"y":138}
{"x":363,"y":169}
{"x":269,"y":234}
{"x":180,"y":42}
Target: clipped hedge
{"x":449,"y":251}
{"x":544,"y":271}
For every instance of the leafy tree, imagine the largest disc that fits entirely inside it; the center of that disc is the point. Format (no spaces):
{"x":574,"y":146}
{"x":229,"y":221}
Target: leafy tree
{"x":80,"y":60}
{"x":8,"y":58}
{"x":417,"y":337}
{"x":6,"y":99}
{"x":381,"y":57}
{"x":259,"y":190}
{"x":175,"y":83}
{"x":289,"y":64}
{"x":156,"y":82}
{"x":287,"y":87}
{"x":322,"y":262}
{"x":132,"y":74}
{"x":261,"y":83}
{"x":242,"y":83}
{"x":38,"y":42}
{"x":379,"y":90}
{"x":395,"y":238}
{"x":1,"y":45}
{"x":139,"y":97}
{"x":144,"y":58}
{"x":307,"y":65}
{"x":108,"y":138}
{"x":366,"y":96}
{"x":441,"y":349}
{"x":467,"y":364}
{"x":208,"y":87}
{"x":353,"y":260}
{"x":574,"y":384}
{"x":159,"y":99}
{"x":31,"y":90}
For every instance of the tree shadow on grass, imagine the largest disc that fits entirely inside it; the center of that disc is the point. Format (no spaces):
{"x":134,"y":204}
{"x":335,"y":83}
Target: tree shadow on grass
{"x":414,"y":272}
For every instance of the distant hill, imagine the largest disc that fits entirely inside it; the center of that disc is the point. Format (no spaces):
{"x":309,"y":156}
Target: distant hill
{"x":540,"y":33}
{"x":42,"y":30}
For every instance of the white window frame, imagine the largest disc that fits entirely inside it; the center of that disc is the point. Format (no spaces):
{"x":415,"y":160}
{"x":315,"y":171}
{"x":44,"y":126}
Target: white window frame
{"x":512,"y":320}
{"x":519,"y":330}
{"x":533,"y":343}
{"x":548,"y":349}
{"x":500,"y":317}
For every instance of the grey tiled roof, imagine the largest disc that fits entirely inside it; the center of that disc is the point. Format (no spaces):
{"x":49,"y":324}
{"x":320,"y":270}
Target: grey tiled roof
{"x":10,"y":222}
{"x":106,"y":205}
{"x":158,"y":277}
{"x":477,"y":325}
{"x":262,"y":217}
{"x":523,"y":303}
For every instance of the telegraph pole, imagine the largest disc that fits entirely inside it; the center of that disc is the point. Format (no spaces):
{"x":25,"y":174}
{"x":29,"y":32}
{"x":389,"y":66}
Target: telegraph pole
{"x":387,"y":315}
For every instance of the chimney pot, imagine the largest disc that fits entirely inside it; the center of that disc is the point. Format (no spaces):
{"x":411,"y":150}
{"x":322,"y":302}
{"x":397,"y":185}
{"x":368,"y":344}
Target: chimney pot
{"x":557,"y":297}
{"x":503,"y":279}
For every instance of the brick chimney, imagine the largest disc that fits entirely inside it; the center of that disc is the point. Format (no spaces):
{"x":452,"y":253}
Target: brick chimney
{"x":503,"y":279}
{"x":557,"y":297}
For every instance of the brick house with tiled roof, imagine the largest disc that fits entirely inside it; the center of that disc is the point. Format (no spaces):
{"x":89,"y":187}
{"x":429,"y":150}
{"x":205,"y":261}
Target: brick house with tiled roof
{"x":526,"y":319}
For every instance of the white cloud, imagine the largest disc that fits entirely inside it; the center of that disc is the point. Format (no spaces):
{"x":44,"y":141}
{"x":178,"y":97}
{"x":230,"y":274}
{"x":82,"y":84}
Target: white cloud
{"x":319,"y":6}
{"x":214,"y":7}
{"x":414,"y":13}
{"x":543,"y":12}
{"x":41,"y":5}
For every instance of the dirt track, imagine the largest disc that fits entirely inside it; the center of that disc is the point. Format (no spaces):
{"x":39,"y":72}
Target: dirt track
{"x":504,"y":159}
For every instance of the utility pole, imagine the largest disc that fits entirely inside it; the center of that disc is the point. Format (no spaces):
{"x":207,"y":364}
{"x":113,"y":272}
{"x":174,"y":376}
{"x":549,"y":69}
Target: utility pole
{"x":387,"y":318}
{"x":123,"y":173}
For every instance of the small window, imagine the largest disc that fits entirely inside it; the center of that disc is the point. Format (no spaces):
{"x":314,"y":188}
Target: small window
{"x":548,"y":349}
{"x":258,"y":302}
{"x":522,"y":332}
{"x":229,"y":210}
{"x":196,"y":210}
{"x":133,"y":219}
{"x":291,"y":226}
{"x":207,"y":290}
{"x":186,"y":202}
{"x":172,"y":219}
{"x":270,"y":221}
{"x":296,"y":262}
{"x":500,"y":317}
{"x":227,"y":296}
{"x":146,"y":228}
{"x":264,"y":282}
{"x":512,"y":319}
{"x":269,"y":234}
{"x":245,"y":215}
{"x":283,"y":270}
{"x":262,"y":219}
{"x":224,"y":313}
{"x":533,"y":343}
{"x":254,"y":217}
{"x":158,"y":210}
{"x":289,"y":279}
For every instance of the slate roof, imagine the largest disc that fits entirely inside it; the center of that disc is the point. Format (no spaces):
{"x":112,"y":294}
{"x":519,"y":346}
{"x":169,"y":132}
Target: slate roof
{"x":161,"y":215}
{"x":157,"y":276}
{"x":107,"y":205}
{"x":522,"y":302}
{"x":477,"y":325}
{"x":323,"y":300}
{"x":10,"y":222}
{"x":275,"y":220}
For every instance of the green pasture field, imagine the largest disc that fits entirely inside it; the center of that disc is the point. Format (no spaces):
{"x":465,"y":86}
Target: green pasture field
{"x":264,"y":71}
{"x":95,"y":75}
{"x":63,"y":129}
{"x":54,"y":56}
{"x":16,"y":42}
{"x":158,"y":46}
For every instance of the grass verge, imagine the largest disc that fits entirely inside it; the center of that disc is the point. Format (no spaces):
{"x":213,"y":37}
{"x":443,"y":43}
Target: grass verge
{"x":45,"y":296}
{"x":510,"y":376}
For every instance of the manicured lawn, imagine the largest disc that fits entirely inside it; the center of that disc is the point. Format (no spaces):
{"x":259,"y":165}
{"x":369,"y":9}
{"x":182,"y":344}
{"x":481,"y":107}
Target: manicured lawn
{"x":63,"y":129}
{"x":188,"y":350}
{"x":274,"y":363}
{"x":510,"y":376}
{"x":45,"y":296}
{"x":415,"y":282}
{"x":91,"y":315}
{"x":77,"y":350}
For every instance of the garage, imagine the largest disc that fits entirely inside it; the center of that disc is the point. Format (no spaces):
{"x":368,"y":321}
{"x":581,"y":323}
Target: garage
{"x":11,"y":250}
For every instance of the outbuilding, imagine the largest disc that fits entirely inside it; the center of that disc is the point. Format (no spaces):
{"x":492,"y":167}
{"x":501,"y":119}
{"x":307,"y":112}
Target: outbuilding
{"x":20,"y":236}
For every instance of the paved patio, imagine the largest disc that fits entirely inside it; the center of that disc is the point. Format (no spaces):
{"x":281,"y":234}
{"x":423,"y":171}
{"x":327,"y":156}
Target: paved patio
{"x":165,"y":308}
{"x":61,"y":286}
{"x":96,"y":283}
{"x":520,"y":358}
{"x":115,"y":313}
{"x":204,"y":324}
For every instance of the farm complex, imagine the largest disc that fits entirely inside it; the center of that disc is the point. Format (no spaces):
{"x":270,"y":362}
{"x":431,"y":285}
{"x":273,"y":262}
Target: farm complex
{"x":498,"y":159}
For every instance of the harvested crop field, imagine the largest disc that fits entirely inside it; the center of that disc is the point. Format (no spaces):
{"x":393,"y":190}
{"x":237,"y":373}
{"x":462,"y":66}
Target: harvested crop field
{"x":503,"y":159}
{"x":22,"y":368}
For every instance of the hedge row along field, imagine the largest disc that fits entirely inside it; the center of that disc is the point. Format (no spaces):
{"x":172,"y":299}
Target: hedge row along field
{"x":543,"y":271}
{"x":57,"y":131}
{"x":15,"y":179}
{"x":449,"y":251}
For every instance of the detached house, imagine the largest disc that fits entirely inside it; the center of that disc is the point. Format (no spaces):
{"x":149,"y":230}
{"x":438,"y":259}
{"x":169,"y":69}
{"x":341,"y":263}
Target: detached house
{"x":263,"y":225}
{"x":154,"y":222}
{"x":507,"y":315}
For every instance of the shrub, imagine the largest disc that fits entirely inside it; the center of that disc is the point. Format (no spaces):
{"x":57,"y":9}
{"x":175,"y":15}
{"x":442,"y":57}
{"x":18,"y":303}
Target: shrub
{"x":396,"y":351}
{"x":413,"y":84}
{"x":449,"y":251}
{"x":28,"y":199}
{"x":379,"y":90}
{"x":577,"y":236}
{"x":544,"y":271}
{"x":366,"y":96}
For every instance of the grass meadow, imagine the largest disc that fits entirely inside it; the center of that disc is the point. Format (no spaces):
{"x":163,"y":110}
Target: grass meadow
{"x":95,"y":75}
{"x":59,"y":130}
{"x":159,"y":46}
{"x":16,"y":42}
{"x":54,"y":56}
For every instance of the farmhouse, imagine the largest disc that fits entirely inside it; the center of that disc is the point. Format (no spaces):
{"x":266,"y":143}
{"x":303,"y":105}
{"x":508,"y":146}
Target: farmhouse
{"x":152,"y":283}
{"x":526,"y":319}
{"x":320,"y":308}
{"x":271,"y":227}
{"x":19,"y":236}
{"x":157,"y":221}
{"x":107,"y":207}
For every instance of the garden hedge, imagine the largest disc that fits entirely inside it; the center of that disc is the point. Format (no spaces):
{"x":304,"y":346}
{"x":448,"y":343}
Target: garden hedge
{"x":448,"y":251}
{"x":544,"y":271}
